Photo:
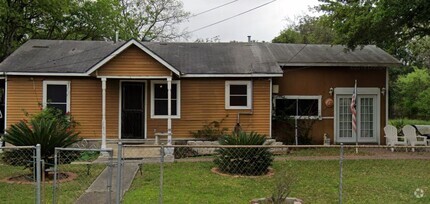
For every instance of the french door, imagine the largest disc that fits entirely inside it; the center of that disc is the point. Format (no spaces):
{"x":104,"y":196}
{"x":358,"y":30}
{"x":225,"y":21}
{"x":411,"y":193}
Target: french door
{"x":367,"y":115}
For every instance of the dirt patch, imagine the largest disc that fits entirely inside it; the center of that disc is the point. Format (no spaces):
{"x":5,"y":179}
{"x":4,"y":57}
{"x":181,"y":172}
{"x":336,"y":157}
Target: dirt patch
{"x":28,"y":178}
{"x":269,"y":173}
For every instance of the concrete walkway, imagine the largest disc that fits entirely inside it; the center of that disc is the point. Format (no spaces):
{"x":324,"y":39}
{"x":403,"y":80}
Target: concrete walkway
{"x":98,"y":191}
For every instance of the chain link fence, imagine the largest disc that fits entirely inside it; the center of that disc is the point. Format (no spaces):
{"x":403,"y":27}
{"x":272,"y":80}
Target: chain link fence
{"x":313,"y":174}
{"x":19,"y":182}
{"x":82,"y":175}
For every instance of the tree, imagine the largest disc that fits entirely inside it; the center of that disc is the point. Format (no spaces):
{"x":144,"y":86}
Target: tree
{"x":389,"y":24}
{"x":87,"y":20}
{"x":153,"y":19}
{"x":414,"y":89}
{"x":308,"y":30}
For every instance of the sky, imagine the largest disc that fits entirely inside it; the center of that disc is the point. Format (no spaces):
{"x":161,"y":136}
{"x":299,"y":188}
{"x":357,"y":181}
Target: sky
{"x":262,"y":24}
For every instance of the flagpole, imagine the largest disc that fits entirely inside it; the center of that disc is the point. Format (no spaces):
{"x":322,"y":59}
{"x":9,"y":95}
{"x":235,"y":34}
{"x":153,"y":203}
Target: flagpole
{"x":355,"y":104}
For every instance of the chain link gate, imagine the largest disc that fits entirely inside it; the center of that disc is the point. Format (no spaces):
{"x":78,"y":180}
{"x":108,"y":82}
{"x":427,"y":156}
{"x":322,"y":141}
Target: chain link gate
{"x":82,"y":175}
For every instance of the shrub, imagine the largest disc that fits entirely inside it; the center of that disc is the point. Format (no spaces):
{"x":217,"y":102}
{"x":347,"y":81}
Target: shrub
{"x":49,"y":128}
{"x":282,"y":189}
{"x":212,"y":131}
{"x":243,"y":160}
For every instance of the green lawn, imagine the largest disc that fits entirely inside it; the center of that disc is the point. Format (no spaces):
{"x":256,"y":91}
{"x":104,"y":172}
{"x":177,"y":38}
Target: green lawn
{"x":25,"y":193}
{"x":407,"y":121}
{"x":365,"y":181}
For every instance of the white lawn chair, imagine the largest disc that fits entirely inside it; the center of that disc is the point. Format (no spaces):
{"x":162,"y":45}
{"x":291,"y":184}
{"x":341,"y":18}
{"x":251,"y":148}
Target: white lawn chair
{"x":412,"y":137}
{"x":392,"y":138}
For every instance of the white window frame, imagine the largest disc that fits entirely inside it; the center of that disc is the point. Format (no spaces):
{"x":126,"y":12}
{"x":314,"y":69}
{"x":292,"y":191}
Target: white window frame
{"x":248,"y":94}
{"x":298,"y":97}
{"x":178,"y":99}
{"x":45,"y":92}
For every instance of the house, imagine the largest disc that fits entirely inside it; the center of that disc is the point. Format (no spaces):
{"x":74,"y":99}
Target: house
{"x":133,"y":90}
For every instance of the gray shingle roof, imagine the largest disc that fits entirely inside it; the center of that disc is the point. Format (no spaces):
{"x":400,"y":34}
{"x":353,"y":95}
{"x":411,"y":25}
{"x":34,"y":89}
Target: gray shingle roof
{"x":56,"y":56}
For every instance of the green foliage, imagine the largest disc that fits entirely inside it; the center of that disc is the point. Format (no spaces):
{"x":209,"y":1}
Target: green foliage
{"x":308,"y":30}
{"x":47,"y":128}
{"x":246,"y":160}
{"x":390,"y":24}
{"x":87,"y":20}
{"x":212,"y":131}
{"x":413,"y":94}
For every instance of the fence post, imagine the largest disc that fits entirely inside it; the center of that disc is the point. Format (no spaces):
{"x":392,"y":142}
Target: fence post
{"x":119,"y":174}
{"x":38,"y":171}
{"x":110,"y":174}
{"x":161,"y":173}
{"x":54,"y":186}
{"x":340,"y":173}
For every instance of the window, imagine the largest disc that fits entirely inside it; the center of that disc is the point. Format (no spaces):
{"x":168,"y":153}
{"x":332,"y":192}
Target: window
{"x":159,"y":99}
{"x":56,"y":94}
{"x":304,"y":107}
{"x":238,"y":95}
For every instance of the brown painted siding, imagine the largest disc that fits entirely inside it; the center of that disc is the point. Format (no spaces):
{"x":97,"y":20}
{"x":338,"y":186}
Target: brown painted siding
{"x":318,"y":81}
{"x":133,"y":62}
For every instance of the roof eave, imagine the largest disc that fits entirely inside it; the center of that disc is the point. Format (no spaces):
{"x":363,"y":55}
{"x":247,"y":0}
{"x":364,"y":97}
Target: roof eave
{"x":300,"y":64}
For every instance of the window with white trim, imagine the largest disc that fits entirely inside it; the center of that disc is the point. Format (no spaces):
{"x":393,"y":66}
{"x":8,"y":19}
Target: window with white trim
{"x":56,"y":94}
{"x":238,"y":95}
{"x":302,"y":107}
{"x":159,"y":99}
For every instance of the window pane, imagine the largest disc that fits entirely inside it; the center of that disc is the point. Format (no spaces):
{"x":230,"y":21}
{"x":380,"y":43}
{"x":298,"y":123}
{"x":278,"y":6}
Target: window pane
{"x":62,"y":107}
{"x":286,"y":107}
{"x":160,"y":91}
{"x":160,"y":107}
{"x":308,"y":107}
{"x":56,"y":93}
{"x":238,"y":101}
{"x":238,"y":89}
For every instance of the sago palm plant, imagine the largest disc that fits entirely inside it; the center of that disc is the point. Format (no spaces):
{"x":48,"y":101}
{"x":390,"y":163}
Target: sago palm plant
{"x":244,"y":160}
{"x":46,"y":128}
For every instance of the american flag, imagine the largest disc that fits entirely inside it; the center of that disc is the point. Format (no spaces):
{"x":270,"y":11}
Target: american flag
{"x":354,"y":108}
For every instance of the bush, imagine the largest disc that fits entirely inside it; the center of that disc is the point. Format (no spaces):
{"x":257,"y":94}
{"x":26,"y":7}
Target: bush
{"x":212,"y":131}
{"x":246,"y":160}
{"x":49,"y":128}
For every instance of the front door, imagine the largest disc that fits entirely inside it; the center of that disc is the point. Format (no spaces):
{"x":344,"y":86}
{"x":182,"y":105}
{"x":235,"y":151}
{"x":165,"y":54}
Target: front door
{"x":133,"y":110}
{"x":366,"y":119}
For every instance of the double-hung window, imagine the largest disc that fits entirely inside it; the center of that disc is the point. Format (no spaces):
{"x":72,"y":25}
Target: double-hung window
{"x":238,"y":95}
{"x":301,"y":107}
{"x":159,"y":99}
{"x":56,"y":94}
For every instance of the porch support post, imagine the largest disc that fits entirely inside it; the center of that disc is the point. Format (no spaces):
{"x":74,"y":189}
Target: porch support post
{"x":169,"y":110}
{"x":103,"y":113}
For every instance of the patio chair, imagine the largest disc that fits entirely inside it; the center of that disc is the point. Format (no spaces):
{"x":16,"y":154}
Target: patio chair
{"x":412,"y":137}
{"x":392,"y":138}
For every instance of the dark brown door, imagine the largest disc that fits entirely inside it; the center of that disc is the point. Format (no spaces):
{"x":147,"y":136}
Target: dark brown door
{"x":133,"y":110}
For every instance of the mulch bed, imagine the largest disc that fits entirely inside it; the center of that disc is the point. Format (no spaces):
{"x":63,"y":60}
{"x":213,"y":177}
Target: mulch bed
{"x":28,"y":178}
{"x":216,"y":170}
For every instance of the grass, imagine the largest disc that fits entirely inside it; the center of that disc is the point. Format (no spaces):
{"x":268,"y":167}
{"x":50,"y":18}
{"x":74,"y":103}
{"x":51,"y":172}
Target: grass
{"x":406,"y":121}
{"x":365,"y":181}
{"x":25,"y":193}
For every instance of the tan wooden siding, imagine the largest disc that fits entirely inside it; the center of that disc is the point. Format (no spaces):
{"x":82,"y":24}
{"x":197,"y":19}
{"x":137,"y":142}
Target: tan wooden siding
{"x":319,"y":80}
{"x":133,"y":62}
{"x":25,"y":93}
{"x":203,"y":101}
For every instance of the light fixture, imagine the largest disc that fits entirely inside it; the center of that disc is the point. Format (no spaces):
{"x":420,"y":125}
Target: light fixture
{"x":331,"y":91}
{"x":383,"y":91}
